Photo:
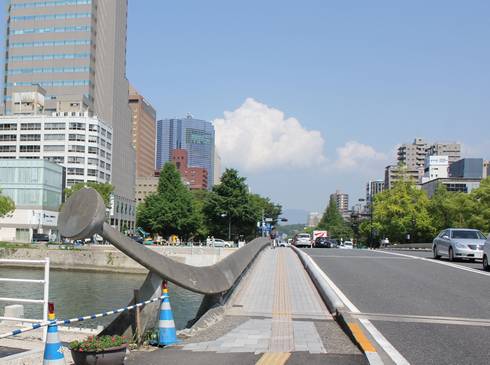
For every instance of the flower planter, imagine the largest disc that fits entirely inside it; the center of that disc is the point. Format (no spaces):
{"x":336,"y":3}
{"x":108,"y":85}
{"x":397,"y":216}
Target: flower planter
{"x":110,"y":356}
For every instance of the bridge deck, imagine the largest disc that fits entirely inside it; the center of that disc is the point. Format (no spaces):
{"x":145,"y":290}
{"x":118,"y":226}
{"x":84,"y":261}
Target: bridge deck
{"x":275,"y":317}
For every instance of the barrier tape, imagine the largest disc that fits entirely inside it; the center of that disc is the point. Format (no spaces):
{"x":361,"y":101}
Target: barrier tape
{"x":37,"y":325}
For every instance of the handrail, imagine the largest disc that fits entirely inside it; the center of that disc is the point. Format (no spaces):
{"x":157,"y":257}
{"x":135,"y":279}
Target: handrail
{"x":44,"y":281}
{"x":83,"y":215}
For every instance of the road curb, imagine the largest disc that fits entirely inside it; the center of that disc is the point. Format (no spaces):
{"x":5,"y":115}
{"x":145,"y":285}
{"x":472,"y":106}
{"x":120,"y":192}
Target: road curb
{"x":351,"y":325}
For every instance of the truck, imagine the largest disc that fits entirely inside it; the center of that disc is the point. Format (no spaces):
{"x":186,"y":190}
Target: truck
{"x":317,"y":234}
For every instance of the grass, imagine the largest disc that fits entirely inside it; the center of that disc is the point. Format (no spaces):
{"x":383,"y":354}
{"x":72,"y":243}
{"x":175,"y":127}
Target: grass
{"x":16,"y":245}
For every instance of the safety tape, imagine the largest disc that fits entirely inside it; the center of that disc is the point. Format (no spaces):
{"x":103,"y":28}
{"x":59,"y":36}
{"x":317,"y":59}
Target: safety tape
{"x":37,"y":325}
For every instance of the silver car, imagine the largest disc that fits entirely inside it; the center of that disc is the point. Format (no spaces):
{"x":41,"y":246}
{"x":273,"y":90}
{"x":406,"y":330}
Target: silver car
{"x":458,"y":243}
{"x":486,"y":255}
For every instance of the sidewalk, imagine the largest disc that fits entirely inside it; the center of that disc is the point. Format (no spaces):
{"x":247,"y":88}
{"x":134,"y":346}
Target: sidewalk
{"x":276,"y":316}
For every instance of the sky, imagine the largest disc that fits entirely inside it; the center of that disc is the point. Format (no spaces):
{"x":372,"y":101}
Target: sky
{"x":312,"y":96}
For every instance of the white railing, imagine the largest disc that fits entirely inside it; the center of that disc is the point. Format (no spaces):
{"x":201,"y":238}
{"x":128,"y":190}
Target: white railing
{"x":43,"y":301}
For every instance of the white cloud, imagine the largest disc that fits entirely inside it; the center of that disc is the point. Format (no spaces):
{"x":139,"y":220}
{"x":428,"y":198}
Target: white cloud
{"x":355,"y":155}
{"x":257,"y":137}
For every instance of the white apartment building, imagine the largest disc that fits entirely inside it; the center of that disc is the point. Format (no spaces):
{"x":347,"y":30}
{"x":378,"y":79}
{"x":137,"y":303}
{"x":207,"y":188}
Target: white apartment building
{"x":81,"y":144}
{"x":436,"y":167}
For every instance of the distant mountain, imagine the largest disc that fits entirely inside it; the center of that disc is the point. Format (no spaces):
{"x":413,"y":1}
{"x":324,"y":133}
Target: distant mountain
{"x":295,"y":216}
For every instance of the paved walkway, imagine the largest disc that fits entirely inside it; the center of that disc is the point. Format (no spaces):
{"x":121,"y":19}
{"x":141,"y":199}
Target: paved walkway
{"x":275,"y":317}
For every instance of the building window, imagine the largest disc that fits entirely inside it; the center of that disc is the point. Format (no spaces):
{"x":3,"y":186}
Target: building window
{"x":93,"y":128}
{"x":70,"y":182}
{"x":75,"y":171}
{"x":8,"y":127}
{"x":102,"y":164}
{"x":93,"y":161}
{"x":54,"y":137}
{"x":30,"y":137}
{"x":52,"y":148}
{"x":8,"y":137}
{"x":55,"y":159}
{"x":30,"y":126}
{"x":76,"y":137}
{"x":8,"y":149}
{"x":91,"y":172}
{"x":93,"y":139}
{"x":93,"y":150}
{"x":76,"y":160}
{"x":24,"y":149}
{"x":54,"y":126}
{"x":102,"y":153}
{"x":77,"y":126}
{"x":74,"y":148}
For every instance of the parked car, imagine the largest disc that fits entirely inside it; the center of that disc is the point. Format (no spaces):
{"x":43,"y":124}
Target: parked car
{"x":458,"y":243}
{"x":302,"y":240}
{"x":347,"y":245}
{"x":324,"y":242}
{"x":218,"y":242}
{"x":486,"y":255}
{"x":138,"y":239}
{"x":40,"y":237}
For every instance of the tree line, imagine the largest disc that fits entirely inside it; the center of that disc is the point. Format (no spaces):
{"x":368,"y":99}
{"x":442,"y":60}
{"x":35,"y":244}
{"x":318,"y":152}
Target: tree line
{"x":405,"y":213}
{"x":228,"y":209}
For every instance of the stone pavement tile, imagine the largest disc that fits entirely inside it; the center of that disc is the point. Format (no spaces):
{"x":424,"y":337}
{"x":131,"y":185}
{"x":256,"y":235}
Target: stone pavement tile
{"x":178,"y":357}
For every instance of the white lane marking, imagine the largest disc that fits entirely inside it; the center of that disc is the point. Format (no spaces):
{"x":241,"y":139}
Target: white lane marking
{"x":478,"y":322}
{"x":360,"y":257}
{"x":449,"y":264}
{"x":380,"y":339}
{"x":384,"y":343}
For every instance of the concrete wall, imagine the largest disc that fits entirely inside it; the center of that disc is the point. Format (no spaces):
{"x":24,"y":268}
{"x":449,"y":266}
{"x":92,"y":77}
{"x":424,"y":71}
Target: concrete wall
{"x":108,"y":258}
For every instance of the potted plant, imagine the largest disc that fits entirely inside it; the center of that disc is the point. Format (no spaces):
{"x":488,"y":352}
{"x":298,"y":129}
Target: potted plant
{"x":103,"y":350}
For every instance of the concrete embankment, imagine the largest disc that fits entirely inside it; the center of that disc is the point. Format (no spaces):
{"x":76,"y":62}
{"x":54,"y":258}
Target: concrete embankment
{"x":108,"y":258}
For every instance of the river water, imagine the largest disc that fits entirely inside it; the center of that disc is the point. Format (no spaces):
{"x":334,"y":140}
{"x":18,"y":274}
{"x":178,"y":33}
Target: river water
{"x":77,"y":294}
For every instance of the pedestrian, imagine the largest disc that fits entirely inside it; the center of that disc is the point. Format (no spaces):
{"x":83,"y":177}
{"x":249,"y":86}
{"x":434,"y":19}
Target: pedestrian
{"x":273,"y":236}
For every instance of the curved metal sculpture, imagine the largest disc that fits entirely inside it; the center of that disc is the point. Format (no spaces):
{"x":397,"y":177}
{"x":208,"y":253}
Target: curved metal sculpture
{"x":83,"y":215}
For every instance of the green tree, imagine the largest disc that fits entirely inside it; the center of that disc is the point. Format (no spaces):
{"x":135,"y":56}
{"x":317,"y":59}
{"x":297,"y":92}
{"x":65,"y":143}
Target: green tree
{"x":449,"y":209}
{"x":402,"y":211}
{"x":333,"y":222}
{"x":171,"y":210}
{"x":7,"y":205}
{"x":480,"y":207}
{"x":229,"y":207}
{"x":199,"y":198}
{"x":104,"y":189}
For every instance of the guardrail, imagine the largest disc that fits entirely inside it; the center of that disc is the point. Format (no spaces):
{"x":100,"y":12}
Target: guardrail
{"x":45,"y":283}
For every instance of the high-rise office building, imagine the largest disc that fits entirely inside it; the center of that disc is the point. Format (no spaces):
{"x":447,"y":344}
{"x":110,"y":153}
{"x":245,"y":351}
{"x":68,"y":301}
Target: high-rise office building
{"x":144,"y":133}
{"x":436,"y":167}
{"x":313,"y":219}
{"x":373,"y":188}
{"x":76,"y":51}
{"x":193,"y":135}
{"x":342,"y":201}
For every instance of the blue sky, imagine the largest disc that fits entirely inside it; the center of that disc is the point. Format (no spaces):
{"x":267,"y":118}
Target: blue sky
{"x":375,"y":74}
{"x":358,"y":78}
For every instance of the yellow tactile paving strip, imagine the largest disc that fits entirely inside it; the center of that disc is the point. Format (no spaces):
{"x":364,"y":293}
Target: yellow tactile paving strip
{"x":272,"y":358}
{"x":282,"y":340}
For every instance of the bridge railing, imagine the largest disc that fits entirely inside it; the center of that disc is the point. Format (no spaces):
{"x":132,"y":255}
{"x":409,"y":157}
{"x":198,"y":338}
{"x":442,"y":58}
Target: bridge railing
{"x":45,"y":282}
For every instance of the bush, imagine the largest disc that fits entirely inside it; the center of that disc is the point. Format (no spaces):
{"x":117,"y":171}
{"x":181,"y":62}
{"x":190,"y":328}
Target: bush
{"x":98,"y":344}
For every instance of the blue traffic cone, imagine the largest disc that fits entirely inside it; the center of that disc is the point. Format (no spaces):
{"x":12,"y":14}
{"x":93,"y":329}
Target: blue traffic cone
{"x":166,"y":325}
{"x":53,"y":352}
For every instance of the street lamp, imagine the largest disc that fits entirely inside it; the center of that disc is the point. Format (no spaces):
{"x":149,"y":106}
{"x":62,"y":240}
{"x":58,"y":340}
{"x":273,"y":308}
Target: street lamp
{"x":229,"y":224}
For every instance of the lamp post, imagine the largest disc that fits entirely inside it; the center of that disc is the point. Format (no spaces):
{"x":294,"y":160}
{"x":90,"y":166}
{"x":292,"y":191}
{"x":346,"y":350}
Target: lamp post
{"x":229,"y":223}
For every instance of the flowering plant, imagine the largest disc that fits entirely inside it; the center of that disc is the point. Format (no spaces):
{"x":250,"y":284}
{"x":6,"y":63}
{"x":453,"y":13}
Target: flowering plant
{"x":98,"y":344}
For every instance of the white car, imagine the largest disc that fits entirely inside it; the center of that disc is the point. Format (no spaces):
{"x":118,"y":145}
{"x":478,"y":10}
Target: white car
{"x":486,"y":255}
{"x":347,"y":245}
{"x":302,"y":240}
{"x":218,"y":242}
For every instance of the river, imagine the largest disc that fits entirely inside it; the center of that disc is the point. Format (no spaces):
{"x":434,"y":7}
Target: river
{"x":77,"y":293}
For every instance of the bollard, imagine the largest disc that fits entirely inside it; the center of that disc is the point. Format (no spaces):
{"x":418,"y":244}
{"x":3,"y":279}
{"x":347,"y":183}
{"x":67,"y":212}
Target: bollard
{"x":53,"y":352}
{"x":166,"y":325}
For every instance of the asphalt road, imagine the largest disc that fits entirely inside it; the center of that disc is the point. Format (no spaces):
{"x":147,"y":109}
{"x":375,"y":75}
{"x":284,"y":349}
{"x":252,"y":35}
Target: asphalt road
{"x":432,"y":312}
